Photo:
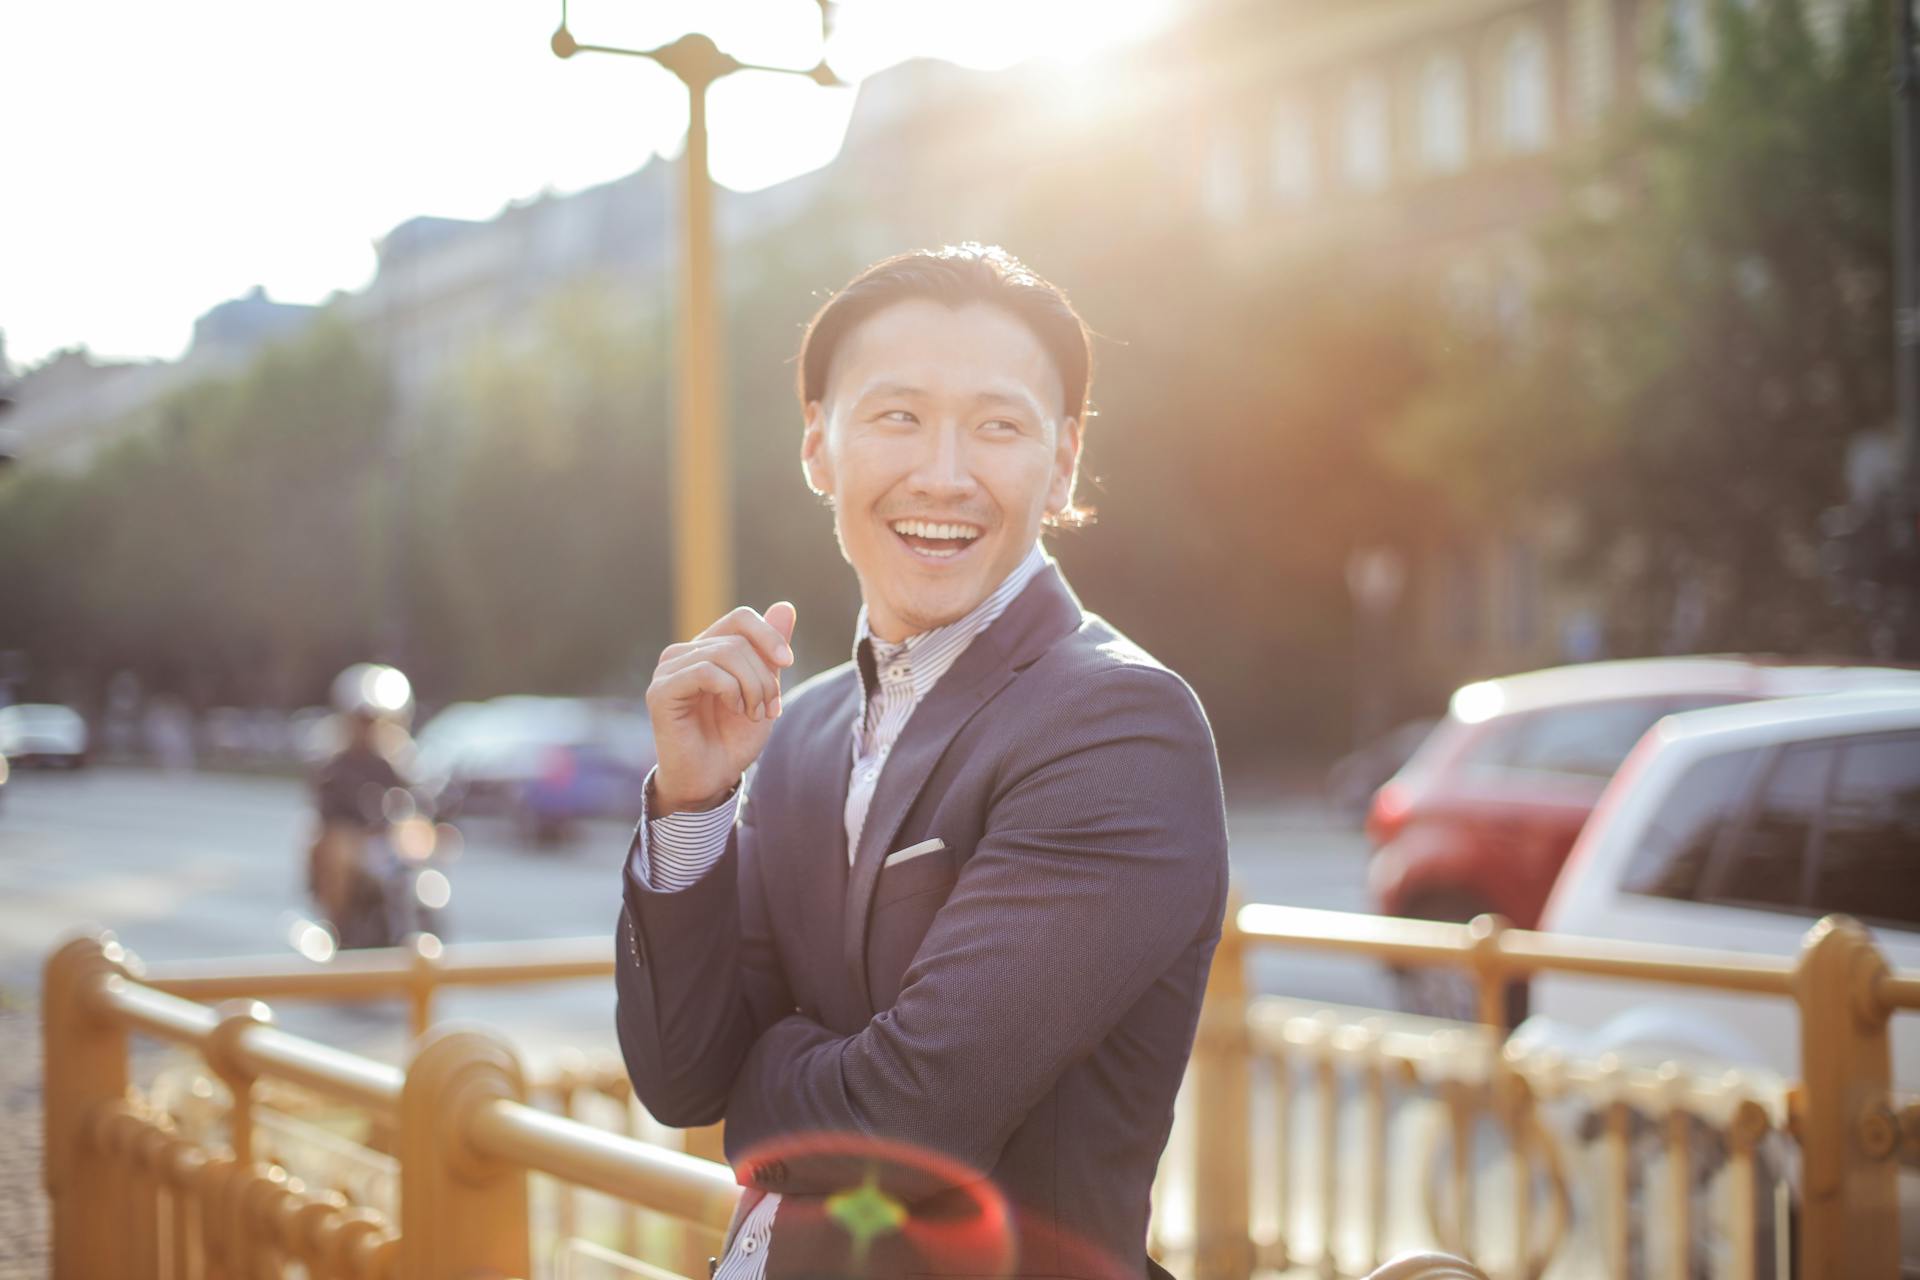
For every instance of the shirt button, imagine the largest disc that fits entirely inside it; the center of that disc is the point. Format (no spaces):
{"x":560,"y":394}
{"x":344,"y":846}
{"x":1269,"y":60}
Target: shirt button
{"x":749,"y":1245}
{"x":872,"y":774}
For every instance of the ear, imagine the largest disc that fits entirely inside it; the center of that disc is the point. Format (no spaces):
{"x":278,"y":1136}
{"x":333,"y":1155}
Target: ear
{"x":814,"y":460}
{"x":1066,"y":465}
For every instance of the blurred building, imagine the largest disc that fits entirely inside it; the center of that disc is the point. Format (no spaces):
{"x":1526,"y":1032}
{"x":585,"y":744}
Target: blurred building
{"x":1427,"y":136}
{"x":444,"y":286}
{"x":73,"y":404}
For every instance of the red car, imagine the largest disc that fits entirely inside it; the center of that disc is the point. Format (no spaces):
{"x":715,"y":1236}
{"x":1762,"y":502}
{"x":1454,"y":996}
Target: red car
{"x":1484,"y":814}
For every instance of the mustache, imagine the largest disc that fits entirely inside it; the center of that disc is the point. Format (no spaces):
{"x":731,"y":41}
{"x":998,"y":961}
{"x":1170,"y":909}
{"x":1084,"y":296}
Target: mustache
{"x":951,"y":517}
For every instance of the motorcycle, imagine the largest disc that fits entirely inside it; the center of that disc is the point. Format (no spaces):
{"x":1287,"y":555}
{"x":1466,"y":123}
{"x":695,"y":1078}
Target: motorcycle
{"x":397,"y":884}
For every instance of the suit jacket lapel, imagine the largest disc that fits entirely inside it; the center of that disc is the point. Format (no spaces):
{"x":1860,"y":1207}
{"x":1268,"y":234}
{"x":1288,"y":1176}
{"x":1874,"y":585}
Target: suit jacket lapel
{"x":819,"y":883}
{"x":1042,"y":613}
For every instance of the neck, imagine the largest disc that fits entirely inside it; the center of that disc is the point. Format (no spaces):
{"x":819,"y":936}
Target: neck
{"x":891,"y":631}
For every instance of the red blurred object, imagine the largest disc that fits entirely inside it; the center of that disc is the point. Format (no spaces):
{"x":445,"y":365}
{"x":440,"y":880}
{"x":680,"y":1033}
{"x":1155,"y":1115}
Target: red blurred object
{"x":1388,"y":813}
{"x":558,"y":767}
{"x":1483,"y":816}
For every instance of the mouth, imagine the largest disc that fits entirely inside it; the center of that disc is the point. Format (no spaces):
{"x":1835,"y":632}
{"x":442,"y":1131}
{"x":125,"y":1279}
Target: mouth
{"x":936,"y":539}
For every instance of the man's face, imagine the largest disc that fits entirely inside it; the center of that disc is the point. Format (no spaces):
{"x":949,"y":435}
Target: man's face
{"x":941,"y":442}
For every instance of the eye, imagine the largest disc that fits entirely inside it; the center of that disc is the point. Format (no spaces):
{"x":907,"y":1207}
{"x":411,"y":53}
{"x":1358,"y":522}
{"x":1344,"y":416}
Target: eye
{"x":1001,"y":426}
{"x":899,"y":415}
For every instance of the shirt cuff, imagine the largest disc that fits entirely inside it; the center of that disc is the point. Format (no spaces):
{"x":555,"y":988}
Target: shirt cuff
{"x":674,"y":852}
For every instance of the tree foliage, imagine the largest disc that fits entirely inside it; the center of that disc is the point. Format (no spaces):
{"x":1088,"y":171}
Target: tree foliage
{"x":1711,"y":333}
{"x":224,"y":551}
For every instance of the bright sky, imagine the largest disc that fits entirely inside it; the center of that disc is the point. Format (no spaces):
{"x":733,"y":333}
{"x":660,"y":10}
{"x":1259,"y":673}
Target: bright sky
{"x":161,"y":158}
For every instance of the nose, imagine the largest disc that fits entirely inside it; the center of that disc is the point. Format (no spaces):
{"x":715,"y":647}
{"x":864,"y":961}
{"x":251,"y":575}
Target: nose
{"x":944,"y":470}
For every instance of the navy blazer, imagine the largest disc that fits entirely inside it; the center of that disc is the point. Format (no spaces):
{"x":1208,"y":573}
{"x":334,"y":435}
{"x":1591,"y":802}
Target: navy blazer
{"x":964,"y":1063}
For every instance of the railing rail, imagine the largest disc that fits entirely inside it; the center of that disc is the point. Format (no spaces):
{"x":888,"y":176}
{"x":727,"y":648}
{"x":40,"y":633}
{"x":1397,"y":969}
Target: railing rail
{"x":1486,"y":946}
{"x":681,"y":1186}
{"x":415,"y":972}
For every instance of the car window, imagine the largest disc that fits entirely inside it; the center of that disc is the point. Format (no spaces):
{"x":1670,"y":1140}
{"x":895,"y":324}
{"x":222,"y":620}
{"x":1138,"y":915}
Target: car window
{"x":1765,"y":865}
{"x":1689,"y":825}
{"x":1870,"y":857}
{"x":1492,"y":747}
{"x":1587,"y":741}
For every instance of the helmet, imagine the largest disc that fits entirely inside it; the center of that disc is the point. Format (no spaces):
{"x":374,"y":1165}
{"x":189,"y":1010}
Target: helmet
{"x":374,"y":690}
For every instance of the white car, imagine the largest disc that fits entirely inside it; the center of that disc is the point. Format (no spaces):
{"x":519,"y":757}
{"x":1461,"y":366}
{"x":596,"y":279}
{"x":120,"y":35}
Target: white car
{"x":1736,"y":829}
{"x":43,"y":733}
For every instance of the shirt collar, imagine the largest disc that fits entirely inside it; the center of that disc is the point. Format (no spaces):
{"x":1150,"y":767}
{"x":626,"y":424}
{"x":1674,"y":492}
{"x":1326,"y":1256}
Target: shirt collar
{"x":929,"y":654}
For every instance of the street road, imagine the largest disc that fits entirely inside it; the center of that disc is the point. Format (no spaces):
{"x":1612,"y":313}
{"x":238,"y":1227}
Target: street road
{"x":190,"y":866}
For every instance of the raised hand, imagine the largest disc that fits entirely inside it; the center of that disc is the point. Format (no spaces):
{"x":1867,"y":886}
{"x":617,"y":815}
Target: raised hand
{"x":713,"y":701}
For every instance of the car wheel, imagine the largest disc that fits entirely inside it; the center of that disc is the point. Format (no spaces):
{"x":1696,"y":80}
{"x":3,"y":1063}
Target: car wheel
{"x":1437,"y":991}
{"x":1649,"y":1189}
{"x":364,"y":922}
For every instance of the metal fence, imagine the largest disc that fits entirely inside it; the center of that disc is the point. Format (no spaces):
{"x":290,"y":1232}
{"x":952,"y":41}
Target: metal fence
{"x":1308,"y":1138}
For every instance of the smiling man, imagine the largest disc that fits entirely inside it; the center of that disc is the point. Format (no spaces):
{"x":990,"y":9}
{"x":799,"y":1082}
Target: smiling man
{"x":930,"y":932}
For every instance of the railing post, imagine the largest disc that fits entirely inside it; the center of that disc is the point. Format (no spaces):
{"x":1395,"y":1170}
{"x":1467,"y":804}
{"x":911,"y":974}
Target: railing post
{"x":423,"y":980}
{"x":1489,"y":970}
{"x":462,"y":1215}
{"x":85,"y":1069}
{"x":222,"y":1054}
{"x":1223,"y":1247}
{"x":1851,"y":1210}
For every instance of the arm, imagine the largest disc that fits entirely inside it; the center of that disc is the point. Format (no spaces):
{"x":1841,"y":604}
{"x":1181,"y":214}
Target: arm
{"x":1104,"y":859}
{"x":694,"y":966}
{"x":695,"y":970}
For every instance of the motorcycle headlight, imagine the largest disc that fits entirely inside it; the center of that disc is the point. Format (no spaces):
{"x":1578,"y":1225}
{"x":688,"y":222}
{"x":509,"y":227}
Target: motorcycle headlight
{"x":414,"y":839}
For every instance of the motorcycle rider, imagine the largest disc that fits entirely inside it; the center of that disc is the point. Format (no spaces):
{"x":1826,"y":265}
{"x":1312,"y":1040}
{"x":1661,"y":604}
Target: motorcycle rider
{"x":374,"y":704}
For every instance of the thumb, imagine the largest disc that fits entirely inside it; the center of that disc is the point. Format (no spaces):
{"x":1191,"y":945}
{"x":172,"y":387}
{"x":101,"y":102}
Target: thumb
{"x":781,"y":617}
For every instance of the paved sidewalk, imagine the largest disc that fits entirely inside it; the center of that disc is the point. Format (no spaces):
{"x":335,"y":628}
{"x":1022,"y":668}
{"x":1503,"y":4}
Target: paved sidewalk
{"x":23,"y":1205}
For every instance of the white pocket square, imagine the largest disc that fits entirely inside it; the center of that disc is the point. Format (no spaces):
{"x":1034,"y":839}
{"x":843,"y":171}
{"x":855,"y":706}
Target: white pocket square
{"x":913,"y":851}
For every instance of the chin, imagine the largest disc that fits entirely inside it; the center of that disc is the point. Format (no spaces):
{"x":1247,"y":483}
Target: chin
{"x":928,"y":610}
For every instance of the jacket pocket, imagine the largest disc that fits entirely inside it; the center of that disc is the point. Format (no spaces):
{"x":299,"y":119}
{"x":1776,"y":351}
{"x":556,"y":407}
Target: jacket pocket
{"x":914,"y":875}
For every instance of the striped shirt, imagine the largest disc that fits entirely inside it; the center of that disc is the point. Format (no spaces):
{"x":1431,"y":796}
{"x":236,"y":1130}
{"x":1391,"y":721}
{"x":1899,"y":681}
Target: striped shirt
{"x":675,"y":851}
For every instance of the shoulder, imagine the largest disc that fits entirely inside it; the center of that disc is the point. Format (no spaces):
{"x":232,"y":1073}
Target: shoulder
{"x":1096,"y":682}
{"x":1098,"y":660}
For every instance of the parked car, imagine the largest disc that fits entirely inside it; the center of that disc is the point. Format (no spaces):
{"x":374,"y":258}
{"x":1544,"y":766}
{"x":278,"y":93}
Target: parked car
{"x":1355,"y":777}
{"x":545,"y":762}
{"x":1482,"y":817}
{"x":1736,"y":829}
{"x":43,"y":733}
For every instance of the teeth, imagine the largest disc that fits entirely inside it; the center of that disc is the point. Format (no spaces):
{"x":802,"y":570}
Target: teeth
{"x":928,"y":529}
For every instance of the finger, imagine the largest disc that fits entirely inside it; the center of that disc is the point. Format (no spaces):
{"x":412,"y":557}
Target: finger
{"x":702,"y":679}
{"x":734,"y":654}
{"x":782,"y":616}
{"x":757,"y":631}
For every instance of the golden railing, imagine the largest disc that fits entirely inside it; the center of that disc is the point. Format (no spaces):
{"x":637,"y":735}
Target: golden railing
{"x":1851,"y":1132}
{"x":133,"y":1198}
{"x":135,"y":1194}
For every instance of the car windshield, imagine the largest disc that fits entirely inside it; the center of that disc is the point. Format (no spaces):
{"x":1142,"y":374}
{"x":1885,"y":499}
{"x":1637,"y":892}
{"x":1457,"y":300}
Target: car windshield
{"x":1585,"y":741}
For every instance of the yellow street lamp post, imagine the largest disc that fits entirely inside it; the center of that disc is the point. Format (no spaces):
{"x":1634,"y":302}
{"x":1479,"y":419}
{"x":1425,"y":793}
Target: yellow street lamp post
{"x":702,"y":524}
